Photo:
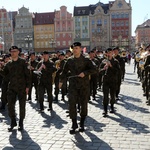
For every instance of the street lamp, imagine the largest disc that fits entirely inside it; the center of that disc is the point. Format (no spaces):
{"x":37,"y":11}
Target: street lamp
{"x":28,"y":39}
{"x":1,"y":44}
{"x":52,"y":44}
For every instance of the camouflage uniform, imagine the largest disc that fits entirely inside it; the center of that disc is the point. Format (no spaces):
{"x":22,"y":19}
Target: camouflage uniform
{"x":4,"y":87}
{"x":94,"y":79}
{"x":34,"y":80}
{"x":19,"y":80}
{"x":109,"y":83}
{"x":78,"y":87}
{"x":147,"y":78}
{"x":63,"y":89}
{"x":119,"y":74}
{"x":45,"y":83}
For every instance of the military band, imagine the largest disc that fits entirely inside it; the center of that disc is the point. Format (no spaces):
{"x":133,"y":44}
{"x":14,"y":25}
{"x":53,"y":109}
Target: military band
{"x":72,"y":73}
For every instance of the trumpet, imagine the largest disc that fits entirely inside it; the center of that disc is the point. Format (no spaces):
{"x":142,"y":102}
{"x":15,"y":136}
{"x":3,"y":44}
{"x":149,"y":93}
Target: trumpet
{"x":38,"y":72}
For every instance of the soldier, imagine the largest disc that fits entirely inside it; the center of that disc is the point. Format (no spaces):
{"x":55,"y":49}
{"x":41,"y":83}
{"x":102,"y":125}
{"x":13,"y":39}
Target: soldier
{"x":32,"y":64}
{"x":47,"y":68}
{"x":120,"y":72}
{"x":19,"y":82}
{"x":110,"y":67}
{"x":59,"y":65}
{"x":5,"y":82}
{"x":147,"y":74}
{"x":80,"y":68}
{"x":94,"y":77}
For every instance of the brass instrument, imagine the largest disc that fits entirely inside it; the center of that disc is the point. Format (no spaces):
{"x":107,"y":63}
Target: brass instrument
{"x":137,"y":57}
{"x":141,"y":64}
{"x":123,"y":54}
{"x":38,"y":72}
{"x":57,"y":64}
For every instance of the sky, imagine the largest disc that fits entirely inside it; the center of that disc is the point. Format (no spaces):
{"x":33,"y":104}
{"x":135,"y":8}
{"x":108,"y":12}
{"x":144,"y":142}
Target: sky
{"x":140,"y":8}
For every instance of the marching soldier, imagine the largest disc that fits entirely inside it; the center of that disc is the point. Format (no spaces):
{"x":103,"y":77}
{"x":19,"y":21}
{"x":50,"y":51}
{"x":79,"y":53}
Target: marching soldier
{"x":19,"y":83}
{"x":120,"y":72}
{"x":5,"y":82}
{"x":59,"y":65}
{"x":147,"y":74}
{"x":110,"y":68}
{"x":32,"y":64}
{"x":80,"y":68}
{"x":93,"y":77}
{"x":47,"y":68}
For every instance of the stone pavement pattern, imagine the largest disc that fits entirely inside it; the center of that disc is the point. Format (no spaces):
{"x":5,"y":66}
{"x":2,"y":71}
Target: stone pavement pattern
{"x":127,"y":129}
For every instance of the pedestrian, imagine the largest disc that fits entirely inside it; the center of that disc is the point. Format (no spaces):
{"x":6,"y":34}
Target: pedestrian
{"x":18,"y":87}
{"x":78,"y":91}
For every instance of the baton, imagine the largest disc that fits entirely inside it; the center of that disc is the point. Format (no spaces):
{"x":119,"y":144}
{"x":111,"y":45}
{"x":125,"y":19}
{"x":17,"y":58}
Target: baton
{"x":73,"y":76}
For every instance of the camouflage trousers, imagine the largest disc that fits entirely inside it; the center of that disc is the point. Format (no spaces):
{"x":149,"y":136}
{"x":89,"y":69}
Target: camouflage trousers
{"x":78,"y":96}
{"x":12,"y":97}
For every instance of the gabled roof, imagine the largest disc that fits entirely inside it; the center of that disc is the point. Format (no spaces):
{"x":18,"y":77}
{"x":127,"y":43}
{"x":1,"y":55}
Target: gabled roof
{"x":43,"y":18}
{"x":81,"y":11}
{"x":86,"y":10}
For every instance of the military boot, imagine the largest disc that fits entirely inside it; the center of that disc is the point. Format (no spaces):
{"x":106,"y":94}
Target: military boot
{"x":20,"y":125}
{"x":74,"y":126}
{"x":13,"y":124}
{"x":112,"y":108}
{"x":105,"y":111}
{"x":50,"y":107}
{"x":41,"y":107}
{"x":82,"y":124}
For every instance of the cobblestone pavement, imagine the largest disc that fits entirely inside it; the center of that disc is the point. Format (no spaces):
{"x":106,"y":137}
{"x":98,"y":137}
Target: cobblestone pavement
{"x":127,"y":129}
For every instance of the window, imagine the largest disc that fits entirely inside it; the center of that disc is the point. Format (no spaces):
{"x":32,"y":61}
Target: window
{"x":58,"y":43}
{"x":98,"y":30}
{"x":113,"y":16}
{"x":64,"y":43}
{"x":93,"y":22}
{"x":127,"y":24}
{"x":105,"y":22}
{"x":122,"y":15}
{"x":126,"y":15}
{"x":113,"y":24}
{"x":63,"y":35}
{"x":99,"y":22}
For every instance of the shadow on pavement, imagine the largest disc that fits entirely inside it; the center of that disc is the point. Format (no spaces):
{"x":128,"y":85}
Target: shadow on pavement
{"x":53,"y":119}
{"x":93,"y":125}
{"x":24,"y":143}
{"x":125,"y":102}
{"x":130,"y":124}
{"x":93,"y":143}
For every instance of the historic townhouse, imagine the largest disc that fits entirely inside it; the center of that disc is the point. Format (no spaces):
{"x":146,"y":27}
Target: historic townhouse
{"x":63,"y":29}
{"x":44,"y":36}
{"x":23,"y":34}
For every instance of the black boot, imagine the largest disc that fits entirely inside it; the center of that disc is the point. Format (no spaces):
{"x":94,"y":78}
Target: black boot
{"x":20,"y":125}
{"x":82,"y":124}
{"x":56,"y":99}
{"x":50,"y":107}
{"x":74,"y":126}
{"x":41,"y":107}
{"x":2,"y":108}
{"x":13,"y":124}
{"x":105,"y":111}
{"x":112,"y":108}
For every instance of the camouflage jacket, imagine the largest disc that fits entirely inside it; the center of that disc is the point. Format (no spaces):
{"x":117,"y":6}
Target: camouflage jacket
{"x":18,"y":74}
{"x":75,"y":66}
